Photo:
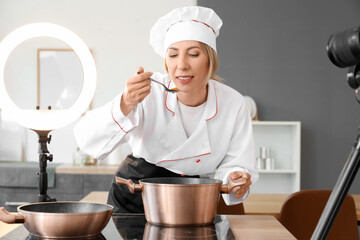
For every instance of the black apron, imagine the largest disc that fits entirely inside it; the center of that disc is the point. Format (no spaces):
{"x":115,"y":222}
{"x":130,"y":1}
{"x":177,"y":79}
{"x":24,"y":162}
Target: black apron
{"x":135,"y":169}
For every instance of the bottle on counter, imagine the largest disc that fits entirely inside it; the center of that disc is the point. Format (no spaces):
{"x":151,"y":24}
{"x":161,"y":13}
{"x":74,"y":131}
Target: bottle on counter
{"x":78,"y":157}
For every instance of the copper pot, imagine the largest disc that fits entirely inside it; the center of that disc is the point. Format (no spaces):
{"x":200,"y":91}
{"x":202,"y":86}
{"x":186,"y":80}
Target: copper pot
{"x":180,"y":201}
{"x":61,"y":219}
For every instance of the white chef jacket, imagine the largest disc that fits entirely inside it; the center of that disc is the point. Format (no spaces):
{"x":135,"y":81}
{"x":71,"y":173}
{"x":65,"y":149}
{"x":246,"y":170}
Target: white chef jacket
{"x":222,"y":142}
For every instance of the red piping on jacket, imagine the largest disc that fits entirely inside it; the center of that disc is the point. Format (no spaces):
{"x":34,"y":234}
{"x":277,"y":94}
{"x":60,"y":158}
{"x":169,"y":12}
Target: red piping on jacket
{"x":183,"y":158}
{"x":216,"y":106}
{"x":112,"y":115}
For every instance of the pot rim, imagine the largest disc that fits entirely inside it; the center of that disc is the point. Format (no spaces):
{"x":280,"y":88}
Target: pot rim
{"x":147,"y":181}
{"x":22,"y":211}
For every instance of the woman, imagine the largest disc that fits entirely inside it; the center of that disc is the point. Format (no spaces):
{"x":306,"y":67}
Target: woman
{"x":203,"y":129}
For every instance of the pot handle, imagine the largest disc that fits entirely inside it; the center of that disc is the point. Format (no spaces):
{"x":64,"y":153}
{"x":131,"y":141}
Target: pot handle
{"x":134,"y":188}
{"x":227,"y":188}
{"x":7,"y":217}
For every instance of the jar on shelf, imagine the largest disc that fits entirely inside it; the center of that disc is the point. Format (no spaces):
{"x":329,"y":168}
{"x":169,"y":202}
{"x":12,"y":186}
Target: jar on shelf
{"x":265,"y":162}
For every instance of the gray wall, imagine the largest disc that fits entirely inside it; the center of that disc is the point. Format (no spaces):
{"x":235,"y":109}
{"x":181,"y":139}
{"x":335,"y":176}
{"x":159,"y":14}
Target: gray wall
{"x":274,"y":51}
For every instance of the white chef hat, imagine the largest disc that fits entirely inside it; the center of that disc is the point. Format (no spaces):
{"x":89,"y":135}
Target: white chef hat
{"x":186,"y":23}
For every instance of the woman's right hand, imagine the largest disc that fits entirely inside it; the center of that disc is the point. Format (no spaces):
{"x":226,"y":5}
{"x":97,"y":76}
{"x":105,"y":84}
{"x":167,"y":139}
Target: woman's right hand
{"x":137,"y":88}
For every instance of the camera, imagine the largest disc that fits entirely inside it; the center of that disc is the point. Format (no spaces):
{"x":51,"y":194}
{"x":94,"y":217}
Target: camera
{"x":343,"y":48}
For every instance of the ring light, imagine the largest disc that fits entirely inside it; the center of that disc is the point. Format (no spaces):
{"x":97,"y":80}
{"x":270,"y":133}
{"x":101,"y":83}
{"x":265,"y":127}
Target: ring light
{"x":47,"y":119}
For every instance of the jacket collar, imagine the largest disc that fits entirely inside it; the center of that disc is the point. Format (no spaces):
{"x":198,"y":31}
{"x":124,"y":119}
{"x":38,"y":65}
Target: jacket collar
{"x":211,"y":108}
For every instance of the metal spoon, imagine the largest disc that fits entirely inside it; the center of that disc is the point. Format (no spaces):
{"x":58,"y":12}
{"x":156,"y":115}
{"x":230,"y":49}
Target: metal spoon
{"x":172,"y":90}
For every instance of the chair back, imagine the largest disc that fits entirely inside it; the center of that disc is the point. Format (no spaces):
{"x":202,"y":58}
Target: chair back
{"x":301,"y":212}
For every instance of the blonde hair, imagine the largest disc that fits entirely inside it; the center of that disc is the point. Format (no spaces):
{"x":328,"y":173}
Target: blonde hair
{"x":213,"y":63}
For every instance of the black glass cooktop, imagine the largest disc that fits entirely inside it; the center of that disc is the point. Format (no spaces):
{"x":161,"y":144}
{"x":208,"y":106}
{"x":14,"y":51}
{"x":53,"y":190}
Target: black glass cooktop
{"x":134,"y":227}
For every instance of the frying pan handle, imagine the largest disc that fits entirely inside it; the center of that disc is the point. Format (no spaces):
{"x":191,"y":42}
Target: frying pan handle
{"x":7,"y":217}
{"x":227,"y":188}
{"x":134,"y":188}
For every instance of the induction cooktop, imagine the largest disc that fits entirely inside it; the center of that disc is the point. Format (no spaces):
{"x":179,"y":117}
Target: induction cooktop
{"x":135,"y":226}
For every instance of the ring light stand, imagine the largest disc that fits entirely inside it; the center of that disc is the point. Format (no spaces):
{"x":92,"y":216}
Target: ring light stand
{"x":44,"y":121}
{"x":44,"y":156}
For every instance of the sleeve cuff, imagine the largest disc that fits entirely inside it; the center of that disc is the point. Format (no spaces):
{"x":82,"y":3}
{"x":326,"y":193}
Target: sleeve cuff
{"x":126,"y":123}
{"x":230,"y":198}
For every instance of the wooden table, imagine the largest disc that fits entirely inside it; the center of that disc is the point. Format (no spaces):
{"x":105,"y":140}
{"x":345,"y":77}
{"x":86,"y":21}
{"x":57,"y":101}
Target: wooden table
{"x":256,"y":204}
{"x":264,"y":204}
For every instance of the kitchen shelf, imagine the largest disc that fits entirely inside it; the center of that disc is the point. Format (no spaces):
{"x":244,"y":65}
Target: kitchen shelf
{"x":283,"y":139}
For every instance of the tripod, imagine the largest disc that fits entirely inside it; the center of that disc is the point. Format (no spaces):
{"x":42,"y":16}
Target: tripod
{"x":347,"y":174}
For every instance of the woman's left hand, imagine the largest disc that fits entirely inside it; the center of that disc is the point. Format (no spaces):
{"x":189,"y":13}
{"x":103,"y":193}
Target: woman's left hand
{"x":241,"y":190}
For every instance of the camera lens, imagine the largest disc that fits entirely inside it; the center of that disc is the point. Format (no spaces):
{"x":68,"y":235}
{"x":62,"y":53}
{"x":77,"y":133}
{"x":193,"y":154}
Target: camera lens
{"x":343,"y":48}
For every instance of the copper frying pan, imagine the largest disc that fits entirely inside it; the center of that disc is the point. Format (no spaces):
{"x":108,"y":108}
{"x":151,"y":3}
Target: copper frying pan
{"x":61,"y":219}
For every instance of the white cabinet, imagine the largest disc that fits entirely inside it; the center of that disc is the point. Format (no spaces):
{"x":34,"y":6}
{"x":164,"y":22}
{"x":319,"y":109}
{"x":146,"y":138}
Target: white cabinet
{"x":283,"y":139}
